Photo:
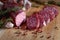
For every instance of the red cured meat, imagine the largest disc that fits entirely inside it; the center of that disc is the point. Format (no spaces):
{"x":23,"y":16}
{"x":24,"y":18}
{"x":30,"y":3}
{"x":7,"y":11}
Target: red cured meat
{"x":33,"y":21}
{"x":18,"y":17}
{"x":51,"y":10}
{"x":42,"y":18}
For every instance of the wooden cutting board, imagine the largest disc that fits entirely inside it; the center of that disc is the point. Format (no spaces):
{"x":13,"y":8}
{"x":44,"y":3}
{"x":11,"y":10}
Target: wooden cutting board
{"x":50,"y":32}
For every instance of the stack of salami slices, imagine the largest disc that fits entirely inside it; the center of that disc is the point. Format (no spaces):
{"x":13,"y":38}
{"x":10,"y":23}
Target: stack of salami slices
{"x":42,"y":18}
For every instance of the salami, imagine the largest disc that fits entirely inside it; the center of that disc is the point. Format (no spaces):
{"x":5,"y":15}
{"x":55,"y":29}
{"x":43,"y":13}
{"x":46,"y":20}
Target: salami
{"x":18,"y":17}
{"x":47,"y":14}
{"x":42,"y":18}
{"x":51,"y":10}
{"x":33,"y":21}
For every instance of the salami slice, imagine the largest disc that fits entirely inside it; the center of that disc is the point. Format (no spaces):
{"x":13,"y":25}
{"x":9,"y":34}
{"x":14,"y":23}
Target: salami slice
{"x":18,"y":17}
{"x":42,"y":19}
{"x":51,"y":10}
{"x":33,"y":21}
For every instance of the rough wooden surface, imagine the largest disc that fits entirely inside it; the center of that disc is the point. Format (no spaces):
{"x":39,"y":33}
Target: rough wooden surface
{"x":50,"y":32}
